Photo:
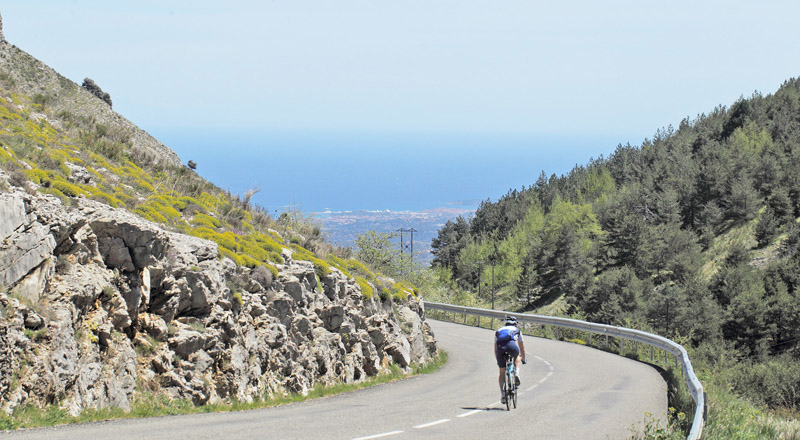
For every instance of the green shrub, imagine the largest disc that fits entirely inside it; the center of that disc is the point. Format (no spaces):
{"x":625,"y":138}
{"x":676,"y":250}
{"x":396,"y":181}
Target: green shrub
{"x":275,"y":257}
{"x":232,"y":255}
{"x":366,"y":289}
{"x":320,"y":267}
{"x":41,"y":101}
{"x":358,"y":267}
{"x":68,"y":189}
{"x":151,"y":214}
{"x":165,"y":209}
{"x":339,"y":264}
{"x":226,"y":239}
{"x":38,"y":176}
{"x":250,"y":261}
{"x":54,"y":192}
{"x":208,"y":201}
{"x":188,"y":201}
{"x":6,"y":156}
{"x":399,"y":294}
{"x":275,"y":236}
{"x":205,"y":221}
{"x":384,"y":293}
{"x":254,"y":250}
{"x":268,"y":242}
{"x":775,"y":382}
{"x":95,"y":90}
{"x":272,"y":269}
{"x":107,"y":199}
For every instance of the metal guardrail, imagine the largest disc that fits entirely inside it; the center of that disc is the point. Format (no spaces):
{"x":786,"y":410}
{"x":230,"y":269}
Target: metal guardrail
{"x":668,"y":346}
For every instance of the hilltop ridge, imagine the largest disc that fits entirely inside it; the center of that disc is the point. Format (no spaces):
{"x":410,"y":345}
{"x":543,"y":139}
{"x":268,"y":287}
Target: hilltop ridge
{"x":31,"y":77}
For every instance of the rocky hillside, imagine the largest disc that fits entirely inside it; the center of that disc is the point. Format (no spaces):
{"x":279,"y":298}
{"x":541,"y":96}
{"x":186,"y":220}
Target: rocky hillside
{"x":59,"y":95}
{"x":122,"y":272}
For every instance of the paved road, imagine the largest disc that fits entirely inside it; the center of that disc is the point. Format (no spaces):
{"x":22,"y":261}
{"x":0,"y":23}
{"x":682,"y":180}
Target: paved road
{"x":568,"y":392}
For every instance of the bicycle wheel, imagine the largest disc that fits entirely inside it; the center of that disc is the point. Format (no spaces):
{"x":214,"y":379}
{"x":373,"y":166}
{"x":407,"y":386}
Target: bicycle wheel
{"x":507,"y":387}
{"x":514,"y":384}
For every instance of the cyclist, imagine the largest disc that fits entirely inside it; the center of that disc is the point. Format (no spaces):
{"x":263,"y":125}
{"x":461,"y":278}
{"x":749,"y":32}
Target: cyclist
{"x":505,"y":341}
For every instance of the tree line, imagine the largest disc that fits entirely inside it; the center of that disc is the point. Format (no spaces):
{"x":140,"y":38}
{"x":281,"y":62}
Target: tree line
{"x":692,"y":234}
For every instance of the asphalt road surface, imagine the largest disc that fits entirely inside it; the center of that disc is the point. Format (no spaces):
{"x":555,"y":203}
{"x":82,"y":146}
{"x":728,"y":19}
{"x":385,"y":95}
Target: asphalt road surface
{"x":567,"y":392}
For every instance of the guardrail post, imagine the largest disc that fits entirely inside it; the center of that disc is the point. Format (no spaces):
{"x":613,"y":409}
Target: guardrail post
{"x":621,"y":346}
{"x":606,"y":343}
{"x":652,"y":358}
{"x":666,"y":359}
{"x":556,"y":333}
{"x":590,"y":338}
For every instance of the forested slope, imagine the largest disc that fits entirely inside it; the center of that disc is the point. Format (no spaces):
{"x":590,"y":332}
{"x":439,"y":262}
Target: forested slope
{"x":692,"y":235}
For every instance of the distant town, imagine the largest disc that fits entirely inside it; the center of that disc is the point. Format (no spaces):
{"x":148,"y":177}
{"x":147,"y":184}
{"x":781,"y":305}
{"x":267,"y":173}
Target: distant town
{"x":341,"y":228}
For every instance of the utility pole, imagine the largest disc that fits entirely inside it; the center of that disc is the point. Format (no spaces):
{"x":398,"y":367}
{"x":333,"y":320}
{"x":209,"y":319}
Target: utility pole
{"x":480,"y":275}
{"x":492,"y":285}
{"x":493,"y":261}
{"x":410,"y":245}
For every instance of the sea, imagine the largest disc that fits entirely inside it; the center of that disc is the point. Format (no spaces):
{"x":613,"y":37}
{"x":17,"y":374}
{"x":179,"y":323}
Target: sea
{"x":332,"y":176}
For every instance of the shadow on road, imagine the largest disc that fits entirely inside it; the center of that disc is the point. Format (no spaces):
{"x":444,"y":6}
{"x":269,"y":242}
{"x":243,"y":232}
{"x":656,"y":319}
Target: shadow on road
{"x":481,"y":408}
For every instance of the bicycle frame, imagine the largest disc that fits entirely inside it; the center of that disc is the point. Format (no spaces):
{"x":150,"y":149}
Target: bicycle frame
{"x":509,"y":386}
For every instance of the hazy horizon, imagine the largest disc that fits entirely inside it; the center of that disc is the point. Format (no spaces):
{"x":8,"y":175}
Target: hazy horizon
{"x":379,"y":105}
{"x":340,"y":172}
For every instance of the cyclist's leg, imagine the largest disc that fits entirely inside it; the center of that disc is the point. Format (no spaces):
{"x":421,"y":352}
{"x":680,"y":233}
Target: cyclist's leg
{"x":501,"y":376}
{"x":501,"y":364}
{"x":513,"y":349}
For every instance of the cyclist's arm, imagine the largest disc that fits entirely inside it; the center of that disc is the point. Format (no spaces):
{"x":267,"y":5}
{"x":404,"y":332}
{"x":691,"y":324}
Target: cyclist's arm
{"x":522,"y":349}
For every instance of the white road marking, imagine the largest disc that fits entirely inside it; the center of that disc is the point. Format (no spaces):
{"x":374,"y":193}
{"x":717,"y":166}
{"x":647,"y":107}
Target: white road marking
{"x":475,"y":339}
{"x":469,"y":413}
{"x":474,"y":411}
{"x":438,"y":422}
{"x":467,"y":337}
{"x":385,"y":434}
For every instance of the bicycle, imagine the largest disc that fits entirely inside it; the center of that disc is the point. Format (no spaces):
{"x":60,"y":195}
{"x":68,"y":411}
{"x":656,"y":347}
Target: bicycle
{"x":509,"y":385}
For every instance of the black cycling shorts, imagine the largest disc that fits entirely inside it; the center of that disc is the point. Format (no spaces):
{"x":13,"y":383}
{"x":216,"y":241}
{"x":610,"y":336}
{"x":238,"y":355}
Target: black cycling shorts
{"x":509,"y":347}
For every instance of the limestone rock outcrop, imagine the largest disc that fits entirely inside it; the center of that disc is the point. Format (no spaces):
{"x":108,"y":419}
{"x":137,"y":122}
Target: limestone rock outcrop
{"x":97,"y":304}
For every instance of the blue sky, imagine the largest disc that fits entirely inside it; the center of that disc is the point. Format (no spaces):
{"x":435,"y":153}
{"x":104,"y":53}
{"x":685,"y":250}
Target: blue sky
{"x":614,"y":71}
{"x":613,"y":67}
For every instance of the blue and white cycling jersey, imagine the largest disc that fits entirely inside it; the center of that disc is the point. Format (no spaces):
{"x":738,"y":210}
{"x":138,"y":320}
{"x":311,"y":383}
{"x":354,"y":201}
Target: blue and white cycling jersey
{"x":506,"y":334}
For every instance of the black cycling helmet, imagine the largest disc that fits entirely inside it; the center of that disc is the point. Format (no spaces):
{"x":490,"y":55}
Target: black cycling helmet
{"x":510,"y":320}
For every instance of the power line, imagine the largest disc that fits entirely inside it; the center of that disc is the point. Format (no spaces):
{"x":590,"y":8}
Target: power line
{"x":407,"y":246}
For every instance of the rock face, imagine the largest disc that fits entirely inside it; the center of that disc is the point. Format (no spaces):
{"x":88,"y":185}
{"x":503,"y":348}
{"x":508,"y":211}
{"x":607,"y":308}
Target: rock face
{"x":97,"y":305}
